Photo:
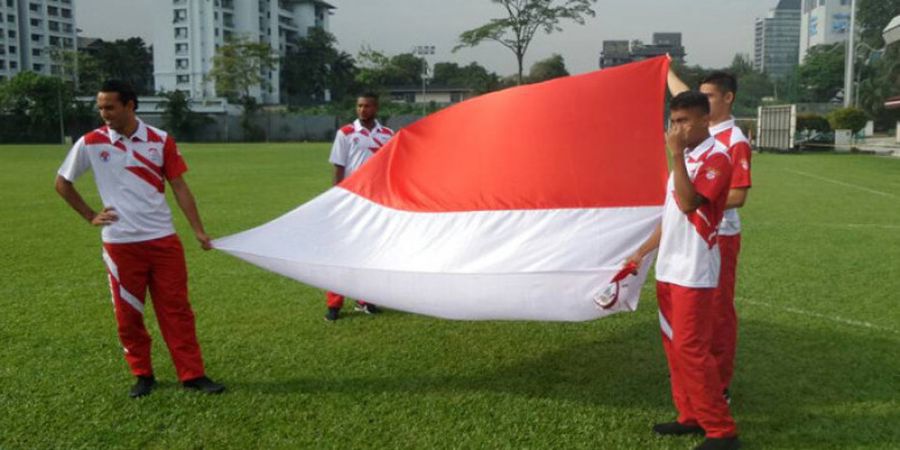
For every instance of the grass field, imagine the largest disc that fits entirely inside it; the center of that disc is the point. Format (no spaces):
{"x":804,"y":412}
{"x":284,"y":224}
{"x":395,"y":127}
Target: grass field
{"x":818,"y":358}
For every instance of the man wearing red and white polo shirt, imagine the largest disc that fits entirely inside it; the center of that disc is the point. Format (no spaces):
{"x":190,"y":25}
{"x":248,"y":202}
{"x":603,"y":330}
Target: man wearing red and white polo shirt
{"x":721,"y":89}
{"x":131,"y":163}
{"x":353,"y":145}
{"x":687,"y":272}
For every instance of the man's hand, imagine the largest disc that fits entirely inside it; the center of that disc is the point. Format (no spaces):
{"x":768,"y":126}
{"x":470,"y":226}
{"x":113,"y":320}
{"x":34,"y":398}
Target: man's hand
{"x":105,"y":217}
{"x":205,"y":241}
{"x":676,"y":140}
{"x":635,"y":259}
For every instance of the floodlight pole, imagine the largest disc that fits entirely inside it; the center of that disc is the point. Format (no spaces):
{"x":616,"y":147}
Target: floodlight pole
{"x":851,"y":56}
{"x":423,"y":50}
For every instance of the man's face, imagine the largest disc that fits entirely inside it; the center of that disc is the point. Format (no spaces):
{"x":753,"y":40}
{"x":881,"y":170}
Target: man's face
{"x":115,"y":114}
{"x":692,"y":123}
{"x":719,"y":102}
{"x":366,"y":108}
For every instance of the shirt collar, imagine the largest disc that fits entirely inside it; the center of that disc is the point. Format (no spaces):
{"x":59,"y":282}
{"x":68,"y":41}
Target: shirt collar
{"x":697,"y":152}
{"x":720,"y":127}
{"x":140,"y":133}
{"x":357,"y":125}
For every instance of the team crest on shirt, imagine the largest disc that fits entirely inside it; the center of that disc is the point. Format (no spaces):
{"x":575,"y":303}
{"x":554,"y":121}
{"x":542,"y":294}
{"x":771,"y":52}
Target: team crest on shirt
{"x":154,"y":153}
{"x":356,"y":140}
{"x":711,"y":174}
{"x":104,"y":156}
{"x":745,"y":164}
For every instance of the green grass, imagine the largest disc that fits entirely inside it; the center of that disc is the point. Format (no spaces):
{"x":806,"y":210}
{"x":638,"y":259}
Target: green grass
{"x":818,"y":359}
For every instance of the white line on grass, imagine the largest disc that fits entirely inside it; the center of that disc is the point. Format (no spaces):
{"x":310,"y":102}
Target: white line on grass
{"x":842,"y":183}
{"x":826,"y":225}
{"x":836,"y":319}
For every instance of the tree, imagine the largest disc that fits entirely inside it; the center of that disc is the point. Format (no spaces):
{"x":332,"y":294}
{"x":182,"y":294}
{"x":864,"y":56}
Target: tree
{"x":31,"y":105}
{"x":524,"y":18}
{"x":178,"y":118}
{"x":379,"y":71}
{"x":852,"y":119}
{"x":753,"y":86}
{"x":239,"y":65}
{"x":548,"y":69}
{"x":821,"y":76}
{"x":473,"y":76}
{"x":313,"y":66}
{"x":872,"y":16}
{"x":128,"y":60}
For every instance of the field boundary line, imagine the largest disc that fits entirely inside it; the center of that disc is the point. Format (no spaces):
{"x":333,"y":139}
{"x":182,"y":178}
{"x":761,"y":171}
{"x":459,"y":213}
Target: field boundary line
{"x":842,"y":183}
{"x":884,"y":226}
{"x":836,"y":319}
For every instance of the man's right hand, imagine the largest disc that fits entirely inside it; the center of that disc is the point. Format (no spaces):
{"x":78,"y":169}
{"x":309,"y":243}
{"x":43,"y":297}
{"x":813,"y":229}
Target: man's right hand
{"x":635,"y":259}
{"x":105,"y":217}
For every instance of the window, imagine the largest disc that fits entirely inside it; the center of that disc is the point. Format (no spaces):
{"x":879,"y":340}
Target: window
{"x":183,"y":79}
{"x":52,"y":11}
{"x":182,"y":63}
{"x":10,"y":18}
{"x":54,"y":26}
{"x":68,"y":42}
{"x":67,"y":27}
{"x":38,"y":67}
{"x":34,"y":7}
{"x":180,"y":15}
{"x":35,"y":52}
{"x":67,"y":13}
{"x":11,"y":33}
{"x":13,"y":65}
{"x":55,"y":69}
{"x":2,"y":67}
{"x":181,"y":33}
{"x":37,"y":38}
{"x":54,"y":41}
{"x":181,"y":49}
{"x":9,"y":3}
{"x":35,"y":22}
{"x":12,"y":49}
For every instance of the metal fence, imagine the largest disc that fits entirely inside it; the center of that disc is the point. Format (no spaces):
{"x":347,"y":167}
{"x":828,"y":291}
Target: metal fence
{"x":775,"y":127}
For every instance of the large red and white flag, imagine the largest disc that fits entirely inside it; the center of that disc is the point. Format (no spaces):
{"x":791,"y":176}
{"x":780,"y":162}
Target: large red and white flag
{"x":519,"y":204}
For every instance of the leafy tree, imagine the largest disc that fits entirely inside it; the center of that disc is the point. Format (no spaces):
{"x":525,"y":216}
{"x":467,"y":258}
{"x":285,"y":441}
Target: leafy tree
{"x":379,"y":71}
{"x":872,"y":16}
{"x":524,"y":18}
{"x":31,"y":105}
{"x":178,"y":118}
{"x":125,"y":59}
{"x":473,"y":76}
{"x":314,"y":65}
{"x":753,"y":86}
{"x":548,"y":69}
{"x":821,"y":76}
{"x":238,"y":66}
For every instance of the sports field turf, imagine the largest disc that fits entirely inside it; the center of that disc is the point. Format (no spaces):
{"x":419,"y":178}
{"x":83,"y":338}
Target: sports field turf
{"x":818,"y":359}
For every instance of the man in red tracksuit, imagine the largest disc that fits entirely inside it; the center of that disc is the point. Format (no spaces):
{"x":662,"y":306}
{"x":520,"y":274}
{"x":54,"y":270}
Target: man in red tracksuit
{"x":721,"y":89}
{"x":131,"y":162}
{"x":687,"y":273}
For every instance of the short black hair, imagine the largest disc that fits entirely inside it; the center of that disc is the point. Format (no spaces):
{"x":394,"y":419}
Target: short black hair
{"x":371,"y":95}
{"x":725,"y":81}
{"x":123,"y":88}
{"x":690,"y":100}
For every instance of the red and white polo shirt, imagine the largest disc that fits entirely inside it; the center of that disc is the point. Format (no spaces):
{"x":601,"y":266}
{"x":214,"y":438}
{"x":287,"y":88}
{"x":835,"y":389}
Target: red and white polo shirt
{"x":688,"y":252}
{"x":739,"y":149}
{"x":130,"y":173}
{"x":354,"y":145}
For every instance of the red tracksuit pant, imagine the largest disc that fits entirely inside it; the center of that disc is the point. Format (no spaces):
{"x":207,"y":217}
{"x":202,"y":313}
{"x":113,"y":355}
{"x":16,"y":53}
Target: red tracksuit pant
{"x":725,"y":331}
{"x":686,"y":321}
{"x":158,"y":265}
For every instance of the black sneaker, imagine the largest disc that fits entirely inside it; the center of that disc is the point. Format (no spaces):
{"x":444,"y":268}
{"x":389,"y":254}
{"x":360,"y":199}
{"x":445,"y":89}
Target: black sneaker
{"x":143,"y":387}
{"x":731,"y":443}
{"x":726,"y":394}
{"x":203,"y":384}
{"x":367,"y":308}
{"x":332,"y":314}
{"x":676,"y":429}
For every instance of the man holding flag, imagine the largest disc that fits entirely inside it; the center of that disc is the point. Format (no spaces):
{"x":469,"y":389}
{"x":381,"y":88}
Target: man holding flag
{"x":687,"y":272}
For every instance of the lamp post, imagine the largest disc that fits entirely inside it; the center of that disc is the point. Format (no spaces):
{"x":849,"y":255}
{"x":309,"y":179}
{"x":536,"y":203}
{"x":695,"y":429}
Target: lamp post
{"x":423,"y":50}
{"x":849,"y":63}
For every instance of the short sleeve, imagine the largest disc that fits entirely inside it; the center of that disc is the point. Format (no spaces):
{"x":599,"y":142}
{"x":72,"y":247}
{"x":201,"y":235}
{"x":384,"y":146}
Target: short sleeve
{"x":713,"y":177}
{"x":77,"y":162}
{"x":173,"y":164}
{"x":340,"y":150}
{"x":740,"y":159}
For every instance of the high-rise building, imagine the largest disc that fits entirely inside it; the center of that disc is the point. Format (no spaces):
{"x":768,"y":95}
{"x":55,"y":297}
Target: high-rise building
{"x":777,"y":39}
{"x":616,"y":53}
{"x":823,"y":22}
{"x":188,"y":35}
{"x":31,"y":31}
